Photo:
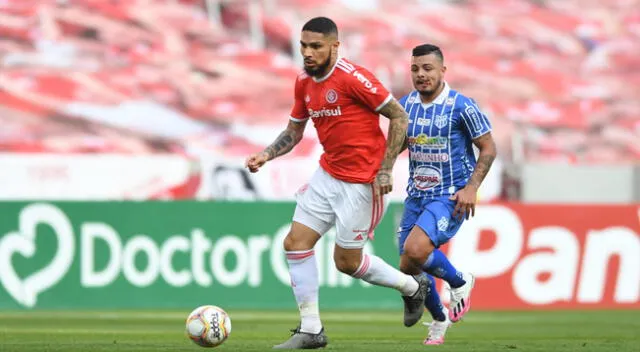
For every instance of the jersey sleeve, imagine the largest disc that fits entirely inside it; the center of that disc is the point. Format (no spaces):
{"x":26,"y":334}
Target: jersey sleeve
{"x":475,"y":122}
{"x":403,"y":101}
{"x":299,"y":110}
{"x":366,"y":88}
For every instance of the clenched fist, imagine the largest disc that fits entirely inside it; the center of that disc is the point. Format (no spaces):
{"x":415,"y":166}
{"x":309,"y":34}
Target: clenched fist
{"x":255,"y":161}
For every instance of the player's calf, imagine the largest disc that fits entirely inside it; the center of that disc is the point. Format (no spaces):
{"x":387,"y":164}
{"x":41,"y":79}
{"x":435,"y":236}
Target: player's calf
{"x":376,"y":271}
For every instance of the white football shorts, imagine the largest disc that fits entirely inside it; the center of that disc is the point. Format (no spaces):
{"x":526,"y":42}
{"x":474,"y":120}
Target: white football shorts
{"x":326,"y":201}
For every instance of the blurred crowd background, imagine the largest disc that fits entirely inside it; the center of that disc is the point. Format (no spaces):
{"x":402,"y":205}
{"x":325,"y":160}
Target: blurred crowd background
{"x":209,"y":82}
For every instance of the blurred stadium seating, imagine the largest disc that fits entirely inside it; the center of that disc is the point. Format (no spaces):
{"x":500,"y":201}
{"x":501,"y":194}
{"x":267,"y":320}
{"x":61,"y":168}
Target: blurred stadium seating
{"x":560,"y":80}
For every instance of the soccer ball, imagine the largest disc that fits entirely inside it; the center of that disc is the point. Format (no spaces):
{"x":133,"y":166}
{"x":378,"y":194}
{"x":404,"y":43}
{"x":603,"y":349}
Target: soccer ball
{"x":208,"y":326}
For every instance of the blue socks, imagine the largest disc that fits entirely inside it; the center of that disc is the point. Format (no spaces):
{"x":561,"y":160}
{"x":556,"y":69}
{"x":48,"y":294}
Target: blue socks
{"x":439,"y":266}
{"x":432,"y":301}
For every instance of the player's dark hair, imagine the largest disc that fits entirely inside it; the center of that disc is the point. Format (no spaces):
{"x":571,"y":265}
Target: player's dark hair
{"x":322,"y":25}
{"x":426,"y":49}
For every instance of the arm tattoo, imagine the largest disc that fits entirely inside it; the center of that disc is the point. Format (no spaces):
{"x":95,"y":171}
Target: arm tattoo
{"x":398,"y":121}
{"x":482,"y":169}
{"x":284,"y":143}
{"x":485,"y":160}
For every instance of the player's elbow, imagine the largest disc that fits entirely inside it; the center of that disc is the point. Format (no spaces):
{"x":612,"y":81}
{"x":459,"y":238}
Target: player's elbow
{"x":488,"y":148}
{"x":492,"y":150}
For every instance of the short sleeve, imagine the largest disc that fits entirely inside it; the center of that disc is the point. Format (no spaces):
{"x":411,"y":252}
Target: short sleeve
{"x":366,"y":88}
{"x":475,"y":122}
{"x":403,"y":101}
{"x":299,"y":110}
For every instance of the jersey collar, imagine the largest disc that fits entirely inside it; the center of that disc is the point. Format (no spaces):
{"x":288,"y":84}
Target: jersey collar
{"x":324,"y":78}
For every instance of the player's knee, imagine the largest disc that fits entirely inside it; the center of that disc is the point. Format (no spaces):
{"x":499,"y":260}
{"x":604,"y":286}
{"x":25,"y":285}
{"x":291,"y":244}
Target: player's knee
{"x":415,"y":253}
{"x":293,"y":243}
{"x":298,"y":242}
{"x":345,"y":262}
{"x":288,"y":243}
{"x":300,"y":238}
{"x":346,"y":266}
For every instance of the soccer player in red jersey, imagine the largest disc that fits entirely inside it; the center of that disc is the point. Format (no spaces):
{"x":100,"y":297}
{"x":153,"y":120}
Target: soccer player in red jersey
{"x":348,"y":190}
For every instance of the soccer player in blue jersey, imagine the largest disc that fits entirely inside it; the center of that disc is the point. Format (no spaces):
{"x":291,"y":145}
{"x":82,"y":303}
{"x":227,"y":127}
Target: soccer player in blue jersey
{"x":444,"y":177}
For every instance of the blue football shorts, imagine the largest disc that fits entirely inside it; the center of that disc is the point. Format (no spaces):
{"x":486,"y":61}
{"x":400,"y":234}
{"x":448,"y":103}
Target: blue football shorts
{"x":434,"y":216}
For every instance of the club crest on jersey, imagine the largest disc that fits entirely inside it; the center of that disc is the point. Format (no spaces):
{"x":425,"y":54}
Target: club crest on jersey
{"x":440,"y":121}
{"x":331,"y":96}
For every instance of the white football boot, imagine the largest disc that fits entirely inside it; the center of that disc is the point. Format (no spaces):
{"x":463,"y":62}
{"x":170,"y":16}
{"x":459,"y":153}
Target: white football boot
{"x":437,"y":330}
{"x":461,"y":298}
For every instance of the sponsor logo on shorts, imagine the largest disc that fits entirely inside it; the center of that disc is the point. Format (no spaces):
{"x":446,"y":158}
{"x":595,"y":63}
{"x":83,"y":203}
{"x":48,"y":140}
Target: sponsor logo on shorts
{"x":426,"y":177}
{"x":432,"y":142}
{"x":430,"y":157}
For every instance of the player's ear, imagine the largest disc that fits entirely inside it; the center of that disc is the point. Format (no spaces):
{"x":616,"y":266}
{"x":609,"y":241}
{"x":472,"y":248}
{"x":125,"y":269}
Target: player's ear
{"x":335,"y":46}
{"x":444,"y":69}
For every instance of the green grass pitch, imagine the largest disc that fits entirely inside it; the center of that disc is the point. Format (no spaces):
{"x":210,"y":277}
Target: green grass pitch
{"x":161,"y":330}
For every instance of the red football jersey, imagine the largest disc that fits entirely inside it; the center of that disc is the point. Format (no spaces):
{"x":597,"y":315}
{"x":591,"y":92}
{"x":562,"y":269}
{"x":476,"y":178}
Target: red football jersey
{"x":344,"y":107}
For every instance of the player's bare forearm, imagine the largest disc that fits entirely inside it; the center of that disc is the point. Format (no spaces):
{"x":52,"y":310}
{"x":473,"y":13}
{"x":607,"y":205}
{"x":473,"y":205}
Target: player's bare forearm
{"x":405,"y":144}
{"x":288,"y":139}
{"x":398,"y":122}
{"x":487,"y":155}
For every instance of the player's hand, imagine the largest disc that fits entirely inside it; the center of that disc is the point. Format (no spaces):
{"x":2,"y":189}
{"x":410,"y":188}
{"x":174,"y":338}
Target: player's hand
{"x":255,"y":161}
{"x":465,"y":202}
{"x":383,"y":183}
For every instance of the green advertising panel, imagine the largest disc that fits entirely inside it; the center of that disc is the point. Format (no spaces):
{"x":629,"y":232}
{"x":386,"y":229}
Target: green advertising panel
{"x":167,"y":255}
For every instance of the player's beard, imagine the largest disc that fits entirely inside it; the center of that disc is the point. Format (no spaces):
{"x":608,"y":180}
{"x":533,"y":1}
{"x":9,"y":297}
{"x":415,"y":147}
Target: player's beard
{"x":428,"y":93}
{"x":319,"y":70}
